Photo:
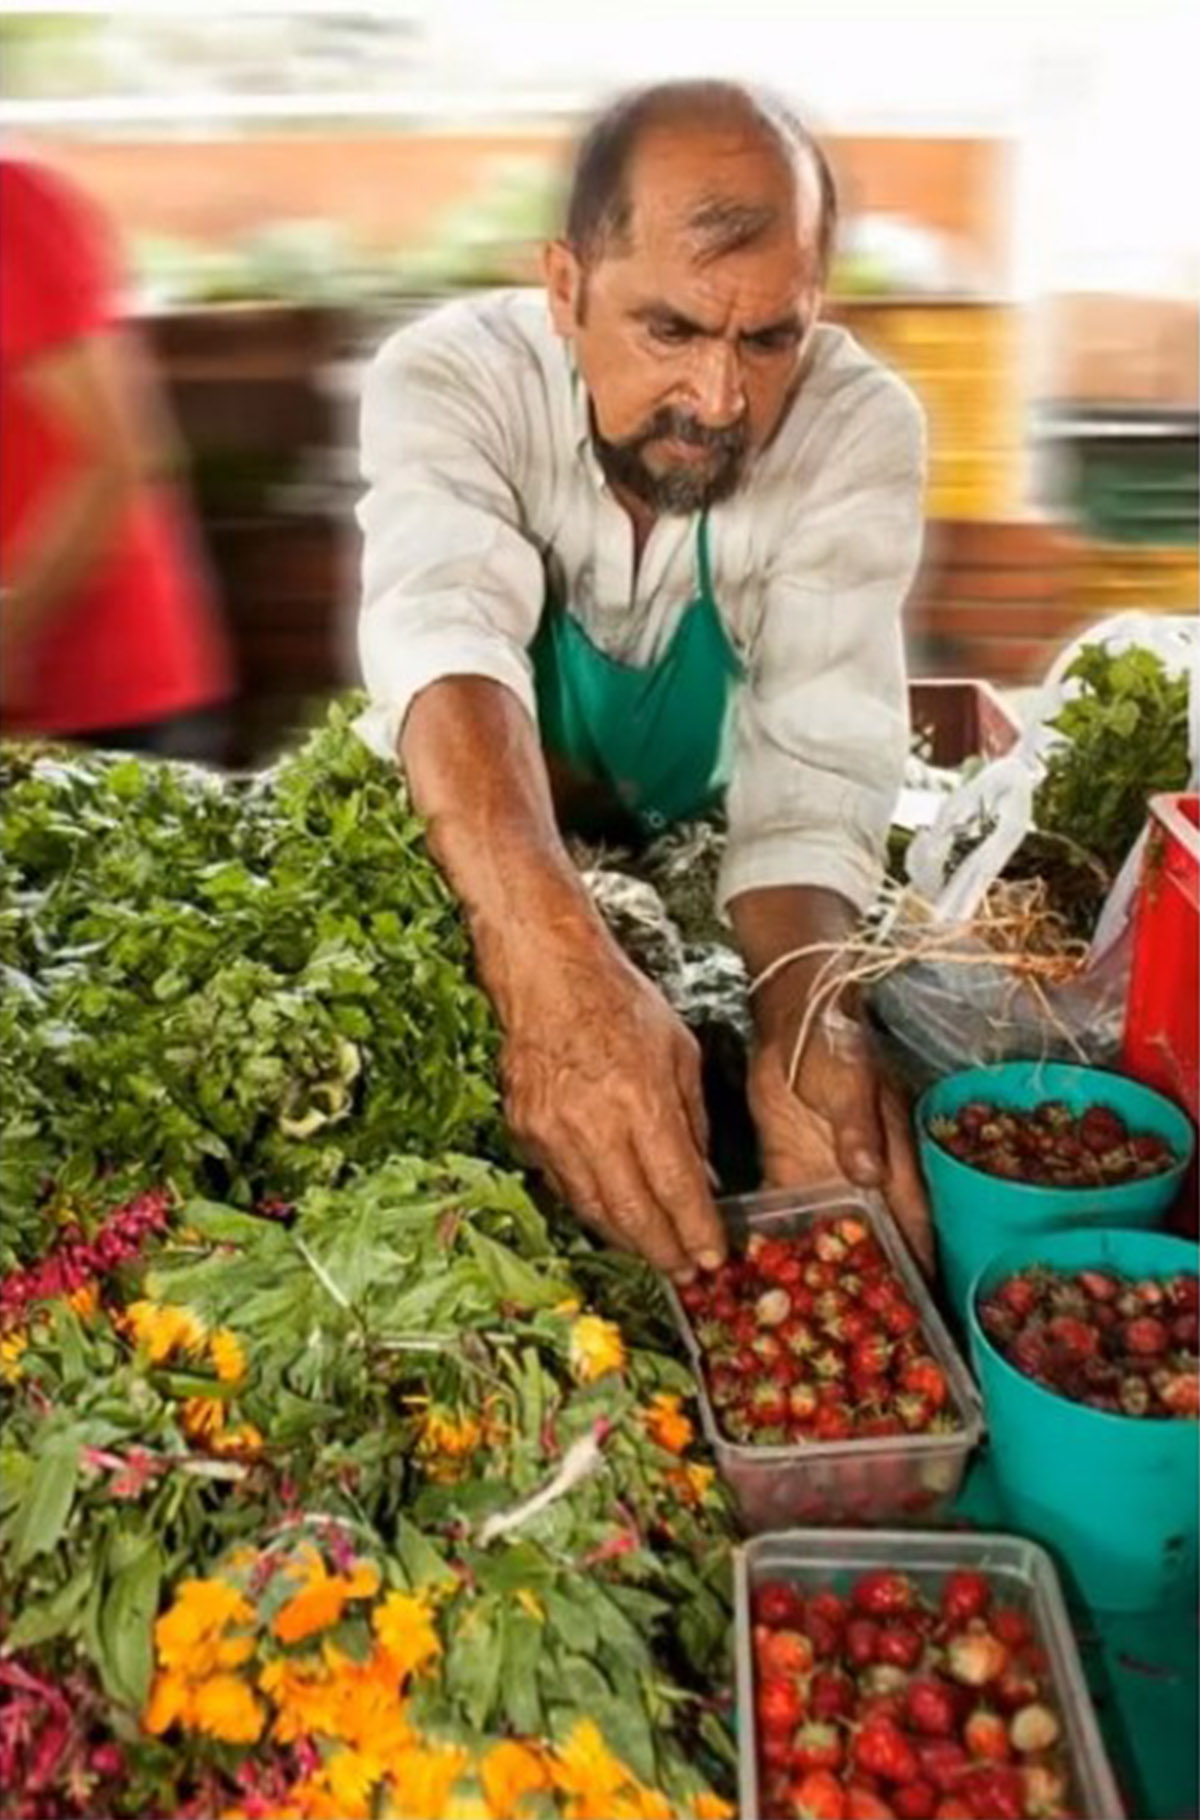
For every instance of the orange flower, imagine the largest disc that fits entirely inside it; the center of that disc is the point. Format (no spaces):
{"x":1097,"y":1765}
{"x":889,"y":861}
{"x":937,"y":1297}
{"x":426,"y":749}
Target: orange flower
{"x":422,"y":1778}
{"x":320,"y":1602}
{"x":189,"y":1637}
{"x":84,"y":1301}
{"x":666,"y":1423}
{"x":203,"y":1419}
{"x":712,"y":1807}
{"x":588,"y":1773}
{"x":225,"y":1351}
{"x":596,"y":1348}
{"x":406,"y":1632}
{"x":509,"y":1772}
{"x":159,"y":1329}
{"x":225,"y":1708}
{"x":242,"y":1441}
{"x":692,"y":1481}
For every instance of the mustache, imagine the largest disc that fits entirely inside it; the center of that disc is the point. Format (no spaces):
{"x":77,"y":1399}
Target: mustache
{"x":680,"y":426}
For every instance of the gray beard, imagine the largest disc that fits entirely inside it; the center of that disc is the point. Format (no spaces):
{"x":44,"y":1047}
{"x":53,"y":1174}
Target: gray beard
{"x":681,"y":490}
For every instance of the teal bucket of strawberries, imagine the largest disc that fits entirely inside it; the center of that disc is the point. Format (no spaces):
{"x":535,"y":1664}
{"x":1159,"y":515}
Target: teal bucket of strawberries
{"x":1025,"y":1147}
{"x":1085,"y":1347}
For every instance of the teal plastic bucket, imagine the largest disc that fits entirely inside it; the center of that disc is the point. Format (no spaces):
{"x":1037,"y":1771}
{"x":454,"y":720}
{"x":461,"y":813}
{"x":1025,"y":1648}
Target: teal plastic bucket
{"x":975,"y":1214}
{"x":1117,"y":1499}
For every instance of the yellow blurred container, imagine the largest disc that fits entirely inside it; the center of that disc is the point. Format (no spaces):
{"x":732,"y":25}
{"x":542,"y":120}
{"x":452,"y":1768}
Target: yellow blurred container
{"x":961,"y":358}
{"x":1112,"y":576}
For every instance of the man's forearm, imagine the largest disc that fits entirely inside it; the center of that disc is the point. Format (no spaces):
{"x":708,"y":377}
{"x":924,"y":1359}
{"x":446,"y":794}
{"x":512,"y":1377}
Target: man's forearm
{"x":476,"y":773}
{"x":780,"y":920}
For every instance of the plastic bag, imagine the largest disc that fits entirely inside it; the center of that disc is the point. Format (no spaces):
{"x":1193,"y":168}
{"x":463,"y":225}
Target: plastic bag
{"x":946,"y":1016}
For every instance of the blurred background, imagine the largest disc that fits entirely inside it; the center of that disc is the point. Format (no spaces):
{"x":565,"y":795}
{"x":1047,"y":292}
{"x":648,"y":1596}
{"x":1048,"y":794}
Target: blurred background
{"x":1020,"y":241}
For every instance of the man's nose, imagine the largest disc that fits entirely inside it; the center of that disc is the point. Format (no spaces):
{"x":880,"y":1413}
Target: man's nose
{"x":717,"y":389}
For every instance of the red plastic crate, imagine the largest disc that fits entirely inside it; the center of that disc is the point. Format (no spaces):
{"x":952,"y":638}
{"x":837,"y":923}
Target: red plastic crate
{"x":1162,"y":1018}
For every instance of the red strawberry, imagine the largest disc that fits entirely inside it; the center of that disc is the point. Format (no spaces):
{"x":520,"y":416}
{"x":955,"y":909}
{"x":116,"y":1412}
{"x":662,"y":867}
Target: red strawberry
{"x":833,"y":1422}
{"x":889,"y":1706}
{"x":916,"y":1801}
{"x":864,"y":1804}
{"x":924,"y":1377}
{"x":830,"y":1246}
{"x":1015,"y":1688}
{"x":817,"y":1746}
{"x":882,"y":1750}
{"x":1147,"y":1336}
{"x":1185,"y":1331}
{"x":1011,"y":1626}
{"x":1098,"y":1284}
{"x":825,"y":1637}
{"x":694,"y":1296}
{"x":779,"y":1706}
{"x":879,"y":1426}
{"x":932,"y":1708}
{"x":952,"y":1808}
{"x":965,"y":1595}
{"x":777,"y":1604}
{"x":775,"y":1750}
{"x":1045,"y":1789}
{"x":901,"y":1645}
{"x":831,"y":1695}
{"x":772,"y":1307}
{"x":1034,"y":1728}
{"x":870,"y":1357}
{"x":976,"y":1657}
{"x":768,"y":1405}
{"x":1183,"y":1292}
{"x":884,"y":1678}
{"x":1074,"y":1336}
{"x":783,"y":1652}
{"x":799,"y":1338}
{"x":830,"y":1605}
{"x":819,"y":1797}
{"x":986,"y":1735}
{"x":900,"y":1317}
{"x":1018,"y":1295}
{"x":882,"y":1593}
{"x":829,"y":1363}
{"x":802,"y":1402}
{"x":1180,"y":1393}
{"x":861,"y":1642}
{"x":943,"y":1762}
{"x":995,"y":1791}
{"x":916,"y":1413}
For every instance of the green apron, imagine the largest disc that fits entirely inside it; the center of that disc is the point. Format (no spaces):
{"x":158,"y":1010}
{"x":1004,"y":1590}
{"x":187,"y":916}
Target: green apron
{"x":658,"y":737}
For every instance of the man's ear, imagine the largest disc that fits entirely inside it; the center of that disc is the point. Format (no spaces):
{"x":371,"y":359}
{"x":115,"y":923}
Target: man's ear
{"x":564,"y":286}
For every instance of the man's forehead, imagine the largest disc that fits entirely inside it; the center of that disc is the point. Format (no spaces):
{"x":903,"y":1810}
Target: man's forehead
{"x":731,"y":185}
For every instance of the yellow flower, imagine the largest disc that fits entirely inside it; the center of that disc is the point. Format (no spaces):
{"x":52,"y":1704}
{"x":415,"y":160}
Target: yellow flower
{"x":352,"y":1775}
{"x":529,"y":1602}
{"x":406,"y":1632}
{"x":596,"y":1348}
{"x":225,"y":1351}
{"x":692,"y":1481}
{"x":666,"y":1423}
{"x":712,"y":1807}
{"x":442,"y":1431}
{"x":587,"y":1772}
{"x":422,"y":1778}
{"x":224,"y":1707}
{"x":243,"y":1441}
{"x":320,"y":1602}
{"x":509,"y":1772}
{"x":12,"y":1345}
{"x":84,"y":1301}
{"x":160,"y":1329}
{"x":189,"y":1638}
{"x":169,"y":1702}
{"x":203,"y":1418}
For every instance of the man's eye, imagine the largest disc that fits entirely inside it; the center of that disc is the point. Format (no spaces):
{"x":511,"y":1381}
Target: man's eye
{"x":671,"y":334}
{"x":772,"y":341}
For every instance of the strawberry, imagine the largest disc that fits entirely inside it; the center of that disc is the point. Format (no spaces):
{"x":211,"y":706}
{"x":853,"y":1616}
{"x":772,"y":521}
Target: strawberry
{"x":1034,"y":1728}
{"x":830,"y":1605}
{"x":773,"y":1308}
{"x":899,"y":1316}
{"x":1015,"y":1688}
{"x":830,"y":1246}
{"x":870,"y":1357}
{"x":802,"y":1402}
{"x":1045,"y":1789}
{"x":819,"y":1797}
{"x":943,"y":1762}
{"x":986,"y":1735}
{"x":883,"y":1678}
{"x":976,"y":1657}
{"x":889,"y":1706}
{"x":767,"y":1347}
{"x":829,"y":1363}
{"x":777,"y":1604}
{"x":1098,"y":1285}
{"x":853,"y":1232}
{"x":1185,"y":1332}
{"x":768,"y":1405}
{"x":694,"y":1295}
{"x":825,"y":1637}
{"x":831,"y":1695}
{"x":783,"y":1652}
{"x":900,"y":1645}
{"x":1183,"y":1293}
{"x":779,"y":1705}
{"x":833,"y":1422}
{"x":864,"y":1804}
{"x":882,"y":1593}
{"x":1018,"y":1295}
{"x":861,"y":1642}
{"x":882,"y":1749}
{"x":965,"y":1595}
{"x":916,"y":1413}
{"x":1073,"y":1335}
{"x":799,"y":1338}
{"x":1011,"y":1626}
{"x":817,"y":1745}
{"x":1147,"y":1336}
{"x":952,"y":1808}
{"x":924,"y":1377}
{"x":775,"y":1750}
{"x":915,"y":1801}
{"x":1179,"y":1393}
{"x":931,"y":1708}
{"x":995,"y":1791}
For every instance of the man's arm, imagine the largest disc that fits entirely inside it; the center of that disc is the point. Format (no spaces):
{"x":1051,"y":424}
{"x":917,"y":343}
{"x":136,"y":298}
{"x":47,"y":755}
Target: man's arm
{"x":602,"y":1081}
{"x":99,"y":400}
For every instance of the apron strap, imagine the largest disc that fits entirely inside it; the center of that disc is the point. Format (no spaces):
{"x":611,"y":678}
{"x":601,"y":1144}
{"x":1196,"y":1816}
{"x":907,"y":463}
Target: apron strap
{"x":703,"y":558}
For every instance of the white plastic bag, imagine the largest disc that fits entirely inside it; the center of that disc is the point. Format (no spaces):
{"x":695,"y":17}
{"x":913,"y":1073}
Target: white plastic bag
{"x":948,"y":1016}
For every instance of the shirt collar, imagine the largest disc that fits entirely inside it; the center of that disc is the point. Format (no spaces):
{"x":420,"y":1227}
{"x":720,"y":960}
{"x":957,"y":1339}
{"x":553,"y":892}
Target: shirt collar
{"x":581,"y":419}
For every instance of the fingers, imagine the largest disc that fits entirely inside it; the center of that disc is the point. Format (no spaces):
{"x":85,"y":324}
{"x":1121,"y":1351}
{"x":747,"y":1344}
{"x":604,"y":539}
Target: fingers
{"x":677,"y":1179}
{"x":858,"y":1132}
{"x":904,"y":1187}
{"x":690,"y":1080}
{"x":632,"y":1207}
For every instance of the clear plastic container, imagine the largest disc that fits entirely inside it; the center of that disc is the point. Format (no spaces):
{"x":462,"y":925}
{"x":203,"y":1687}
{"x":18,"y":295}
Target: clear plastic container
{"x":818,"y":1558}
{"x":877,"y":1480}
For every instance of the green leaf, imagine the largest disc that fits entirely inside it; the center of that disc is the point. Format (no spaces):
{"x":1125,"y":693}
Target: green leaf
{"x":46,"y":1619}
{"x":474,"y":1660}
{"x":572,"y":1620}
{"x":423,"y":1565}
{"x":512,"y":1280}
{"x":46,"y":1507}
{"x":525,"y":1643}
{"x":127,"y":1627}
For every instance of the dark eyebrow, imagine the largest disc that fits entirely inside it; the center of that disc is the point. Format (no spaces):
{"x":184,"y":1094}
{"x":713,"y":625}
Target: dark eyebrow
{"x":661,"y":315}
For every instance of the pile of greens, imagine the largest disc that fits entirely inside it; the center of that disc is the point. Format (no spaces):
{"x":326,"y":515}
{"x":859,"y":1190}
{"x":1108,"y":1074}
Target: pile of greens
{"x":243,"y":987}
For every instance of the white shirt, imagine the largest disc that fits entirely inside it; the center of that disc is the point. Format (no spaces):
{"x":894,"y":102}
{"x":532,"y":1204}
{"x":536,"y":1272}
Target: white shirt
{"x":482,"y":481}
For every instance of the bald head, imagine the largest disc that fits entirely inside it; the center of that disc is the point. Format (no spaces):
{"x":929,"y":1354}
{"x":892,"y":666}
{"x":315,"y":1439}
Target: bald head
{"x":726,"y":164}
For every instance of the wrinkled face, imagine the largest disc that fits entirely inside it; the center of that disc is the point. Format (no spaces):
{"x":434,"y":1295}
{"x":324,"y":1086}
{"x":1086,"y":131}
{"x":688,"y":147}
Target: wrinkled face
{"x":689,"y":330}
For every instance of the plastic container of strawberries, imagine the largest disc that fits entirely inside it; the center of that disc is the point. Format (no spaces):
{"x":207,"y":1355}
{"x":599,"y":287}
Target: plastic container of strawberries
{"x":884,"y":1480}
{"x":819,"y":1559}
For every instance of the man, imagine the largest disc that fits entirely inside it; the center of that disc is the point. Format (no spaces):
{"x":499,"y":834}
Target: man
{"x":107,"y":629}
{"x":646,"y":540}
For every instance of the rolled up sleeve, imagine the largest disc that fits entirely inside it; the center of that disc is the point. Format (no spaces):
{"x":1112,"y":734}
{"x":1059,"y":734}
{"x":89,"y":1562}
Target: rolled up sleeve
{"x":450,"y":584}
{"x":822,"y":729}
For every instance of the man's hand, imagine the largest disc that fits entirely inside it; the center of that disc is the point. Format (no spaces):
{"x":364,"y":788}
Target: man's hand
{"x":602,"y":1087}
{"x":843,"y":1119}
